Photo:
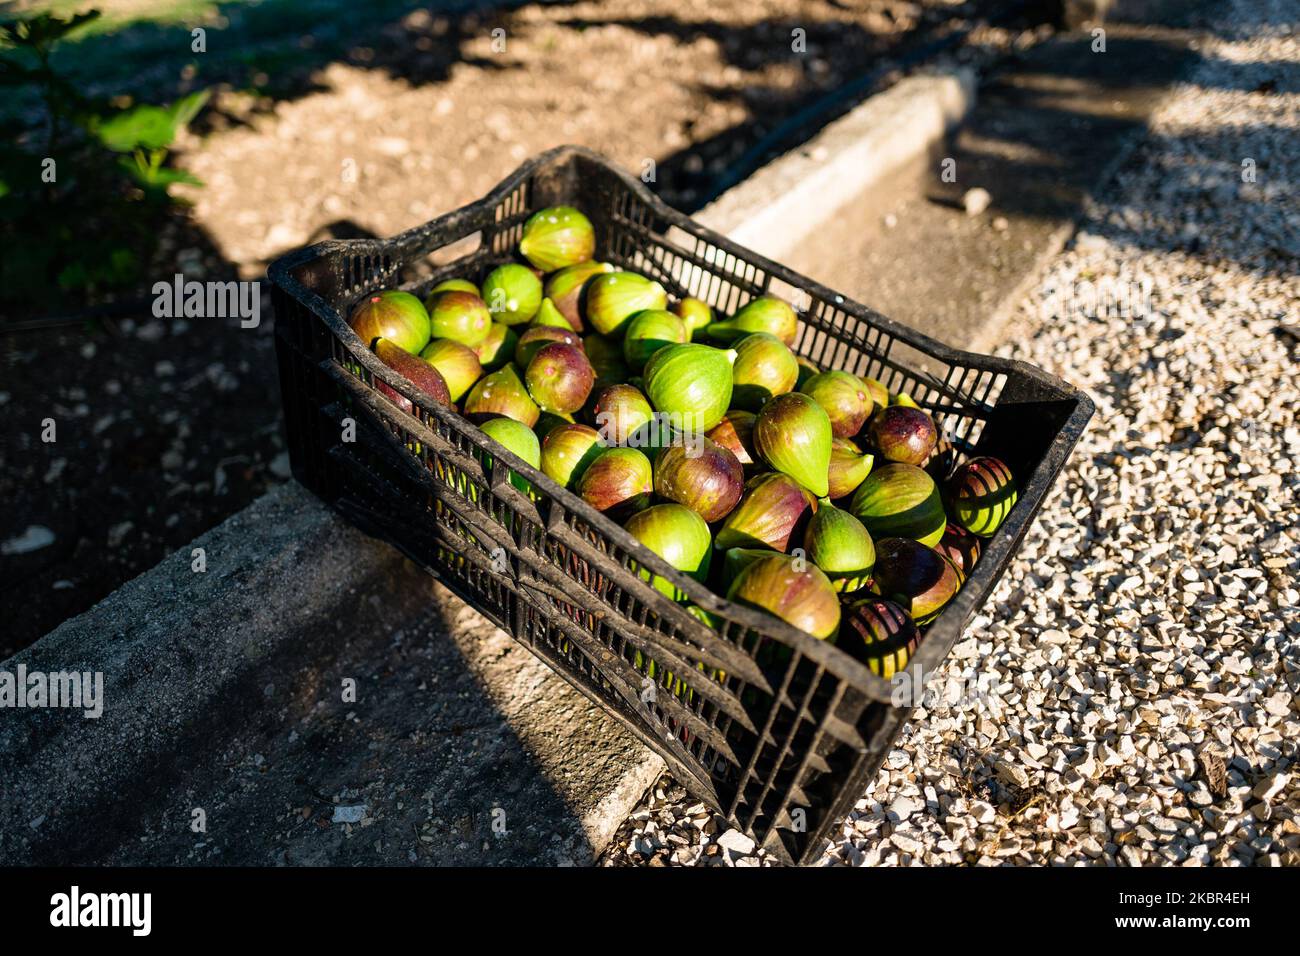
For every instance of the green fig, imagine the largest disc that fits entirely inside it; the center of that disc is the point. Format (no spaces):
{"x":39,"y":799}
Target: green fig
{"x":460,"y":316}
{"x":980,"y":494}
{"x":735,"y":560}
{"x":613,"y":299}
{"x":606,"y":357}
{"x":736,"y":434}
{"x":455,"y":285}
{"x":772,"y":510}
{"x":556,"y":237}
{"x":917,"y":578}
{"x":707,"y":479}
{"x":764,"y":367}
{"x":649,"y":331}
{"x":423,"y":376}
{"x":620,"y":410}
{"x":796,"y":592}
{"x":501,"y":393}
{"x":879,"y":394}
{"x":845,"y":399}
{"x":695,"y":313}
{"x":903,"y":434}
{"x":692,"y":382}
{"x":513,"y":294}
{"x":960,"y":547}
{"x":837,"y":543}
{"x":807,"y":369}
{"x":900,"y":501}
{"x":564,"y":288}
{"x":619,"y":481}
{"x":397,"y":317}
{"x":498,"y":348}
{"x":548,"y":314}
{"x":848,"y":468}
{"x":536,"y":337}
{"x":679,"y":536}
{"x":518,"y":439}
{"x":559,"y":378}
{"x":458,"y":364}
{"x":793,"y":435}
{"x":567,"y":451}
{"x":767,"y":313}
{"x":881,"y":634}
{"x":903,"y":399}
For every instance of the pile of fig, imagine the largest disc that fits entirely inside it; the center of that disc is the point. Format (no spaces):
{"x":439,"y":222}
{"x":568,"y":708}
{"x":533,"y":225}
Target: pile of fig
{"x":815,"y":495}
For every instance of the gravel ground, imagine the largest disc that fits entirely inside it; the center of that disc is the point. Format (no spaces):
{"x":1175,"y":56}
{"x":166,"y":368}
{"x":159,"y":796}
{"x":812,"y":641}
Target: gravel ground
{"x":1144,"y":650}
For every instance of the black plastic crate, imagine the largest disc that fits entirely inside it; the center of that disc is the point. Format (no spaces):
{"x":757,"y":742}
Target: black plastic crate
{"x":785,"y":744}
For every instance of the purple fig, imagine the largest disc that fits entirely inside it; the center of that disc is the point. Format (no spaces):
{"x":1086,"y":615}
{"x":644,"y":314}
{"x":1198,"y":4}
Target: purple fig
{"x":701,"y":475}
{"x":397,"y":317}
{"x":960,"y":547}
{"x":497,"y":348}
{"x":501,"y":393}
{"x":460,"y":316}
{"x":795,"y":591}
{"x":793,"y":435}
{"x":837,"y":543}
{"x":679,"y":536}
{"x":767,"y":313}
{"x":695,"y":313}
{"x":902,"y":434}
{"x":419,"y":373}
{"x":568,"y":450}
{"x":458,"y":364}
{"x":845,"y":399}
{"x":980,"y":494}
{"x":559,"y":378}
{"x":619,"y":411}
{"x":564,"y":289}
{"x":736,"y":434}
{"x":918,"y":578}
{"x":613,"y":299}
{"x":619,"y":481}
{"x":649,"y":331}
{"x":849,"y":467}
{"x":556,"y":237}
{"x":773,"y":509}
{"x":888,"y":636}
{"x":535,"y":337}
{"x":900,"y":501}
{"x":764,"y":367}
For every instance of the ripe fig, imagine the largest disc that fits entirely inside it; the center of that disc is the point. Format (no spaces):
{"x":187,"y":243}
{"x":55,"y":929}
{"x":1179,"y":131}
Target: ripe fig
{"x":455,"y":285}
{"x":535,"y":337}
{"x":619,"y":481}
{"x":613,"y":299}
{"x":564,"y":289}
{"x":766,"y":313}
{"x":695,"y":313}
{"x":736,"y":434}
{"x":960,"y":547}
{"x":888,"y":636}
{"x":793,"y":435}
{"x":567,"y":451}
{"x":900,"y":501}
{"x":513,"y":294}
{"x":501,"y":393}
{"x":916,"y":577}
{"x":981,"y":493}
{"x":879,"y":394}
{"x":458,"y":364}
{"x":419,"y":373}
{"x":837,"y":543}
{"x":849,"y":467}
{"x":764,"y":367}
{"x":800,"y":596}
{"x":844,"y":398}
{"x":559,"y":378}
{"x":619,"y":411}
{"x":902,"y":434}
{"x":679,"y":536}
{"x":772,"y":510}
{"x":497,"y":348}
{"x":556,"y":237}
{"x":649,"y":331}
{"x":460,"y":316}
{"x":395,"y":316}
{"x":692,"y":382}
{"x":709,"y":482}
{"x":517,"y":438}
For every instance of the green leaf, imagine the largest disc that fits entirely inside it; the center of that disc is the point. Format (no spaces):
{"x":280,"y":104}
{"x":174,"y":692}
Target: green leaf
{"x":141,"y":127}
{"x":185,"y":109}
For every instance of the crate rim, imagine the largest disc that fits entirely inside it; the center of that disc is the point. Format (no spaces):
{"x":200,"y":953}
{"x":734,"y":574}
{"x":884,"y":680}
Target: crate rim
{"x":951,"y":621}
